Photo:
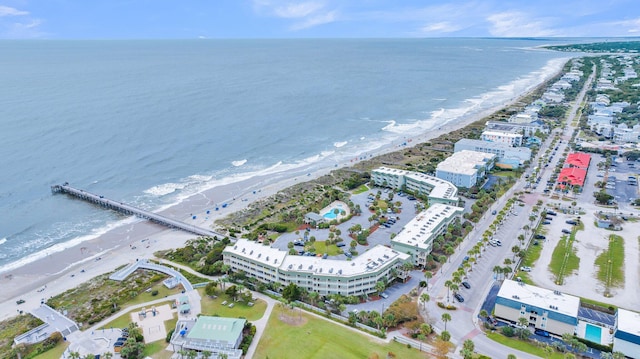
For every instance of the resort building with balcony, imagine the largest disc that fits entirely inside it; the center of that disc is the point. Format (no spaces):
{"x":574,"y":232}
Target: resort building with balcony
{"x":315,"y":274}
{"x":416,"y":238}
{"x":436,"y":189}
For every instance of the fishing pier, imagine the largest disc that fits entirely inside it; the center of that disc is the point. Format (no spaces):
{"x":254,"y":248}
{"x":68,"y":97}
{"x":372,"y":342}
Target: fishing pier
{"x":131,"y":210}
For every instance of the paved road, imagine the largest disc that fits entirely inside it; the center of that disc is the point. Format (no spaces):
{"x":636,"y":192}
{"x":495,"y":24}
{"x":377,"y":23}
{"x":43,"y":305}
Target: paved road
{"x":464,"y":324}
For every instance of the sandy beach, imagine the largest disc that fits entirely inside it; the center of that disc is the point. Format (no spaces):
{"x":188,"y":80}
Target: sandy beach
{"x":60,"y":271}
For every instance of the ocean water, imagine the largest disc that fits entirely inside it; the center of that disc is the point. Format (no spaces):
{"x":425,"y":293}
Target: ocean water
{"x":152,"y":122}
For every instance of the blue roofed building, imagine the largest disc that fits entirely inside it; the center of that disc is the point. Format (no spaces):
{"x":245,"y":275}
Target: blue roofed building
{"x":545,"y":309}
{"x":626,"y":339}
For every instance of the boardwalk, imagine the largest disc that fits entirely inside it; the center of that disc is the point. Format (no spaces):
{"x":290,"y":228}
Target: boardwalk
{"x":127,"y":209}
{"x":144,"y":264}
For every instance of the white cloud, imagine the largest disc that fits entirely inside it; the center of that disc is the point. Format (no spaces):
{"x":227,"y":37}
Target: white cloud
{"x":294,"y":11}
{"x":440,"y":27}
{"x":9,"y":11}
{"x":304,"y":14}
{"x":518,"y":24}
{"x":316,"y":20}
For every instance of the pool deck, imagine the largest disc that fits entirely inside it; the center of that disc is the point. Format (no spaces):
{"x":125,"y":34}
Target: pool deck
{"x":335,"y":204}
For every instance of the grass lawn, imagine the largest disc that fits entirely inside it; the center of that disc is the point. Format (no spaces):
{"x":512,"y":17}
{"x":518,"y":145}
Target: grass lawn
{"x":313,"y":337}
{"x":610,"y":263}
{"x":147,"y":297}
{"x":240,"y":310}
{"x":529,"y":260}
{"x":564,"y":259}
{"x":382,"y":204}
{"x":55,"y":353}
{"x":322,"y":248}
{"x":522,"y":346}
{"x":154,"y":347}
{"x":362,"y":189}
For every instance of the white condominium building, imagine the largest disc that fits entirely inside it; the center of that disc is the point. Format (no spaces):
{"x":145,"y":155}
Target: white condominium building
{"x":464,"y":168}
{"x":436,"y":189}
{"x":324,"y":276}
{"x":506,"y":137}
{"x":416,"y":238}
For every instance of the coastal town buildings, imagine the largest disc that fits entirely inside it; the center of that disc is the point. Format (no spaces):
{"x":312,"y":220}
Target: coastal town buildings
{"x":315,"y":274}
{"x":436,"y":189}
{"x":465,"y":168}
{"x":416,"y":238}
{"x":507,"y":156}
{"x":552,"y":311}
{"x":217,"y":335}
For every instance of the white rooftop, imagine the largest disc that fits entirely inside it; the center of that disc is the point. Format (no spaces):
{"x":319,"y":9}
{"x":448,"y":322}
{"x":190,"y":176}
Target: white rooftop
{"x":628,"y":321}
{"x":365,"y":262}
{"x":465,"y":162}
{"x":540,"y":297}
{"x":501,"y":133}
{"x":421,"y":228}
{"x":441,"y":188}
{"x":257,"y":252}
{"x":373,"y":259}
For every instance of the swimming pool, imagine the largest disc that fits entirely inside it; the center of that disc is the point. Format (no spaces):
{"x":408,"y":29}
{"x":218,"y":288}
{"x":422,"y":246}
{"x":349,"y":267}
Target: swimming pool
{"x":592,"y":333}
{"x":330,"y":214}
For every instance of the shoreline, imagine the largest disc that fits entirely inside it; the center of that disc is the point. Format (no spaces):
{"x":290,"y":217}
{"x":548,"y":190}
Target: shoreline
{"x":66,"y":269}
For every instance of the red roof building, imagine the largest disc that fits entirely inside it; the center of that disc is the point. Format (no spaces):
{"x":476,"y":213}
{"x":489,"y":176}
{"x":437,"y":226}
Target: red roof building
{"x":578,"y":159}
{"x":572,"y":176}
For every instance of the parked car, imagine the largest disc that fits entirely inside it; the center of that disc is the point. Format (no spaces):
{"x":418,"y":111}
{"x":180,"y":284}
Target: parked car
{"x":525,"y":269}
{"x":494,"y":212}
{"x":492,"y":320}
{"x":539,"y":236}
{"x":384,"y":295}
{"x":498,"y":243}
{"x":458,"y":297}
{"x":340,"y":244}
{"x":466,"y":285}
{"x":546,"y":222}
{"x":542,"y":333}
{"x":566,"y":231}
{"x":571,"y":222}
{"x":552,"y":213}
{"x":19,"y":301}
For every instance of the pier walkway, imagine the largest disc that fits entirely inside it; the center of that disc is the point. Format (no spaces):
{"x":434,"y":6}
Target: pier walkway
{"x":130,"y":210}
{"x":145,"y":264}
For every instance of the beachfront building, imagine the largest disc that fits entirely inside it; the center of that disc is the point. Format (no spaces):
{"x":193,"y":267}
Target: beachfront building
{"x":465,"y":168}
{"x":527,"y":129}
{"x":507,"y":156}
{"x":315,"y":274}
{"x":217,"y":335}
{"x":626,"y":338}
{"x":436,"y":189}
{"x":416,"y":238}
{"x":545,"y":309}
{"x":507,"y":137}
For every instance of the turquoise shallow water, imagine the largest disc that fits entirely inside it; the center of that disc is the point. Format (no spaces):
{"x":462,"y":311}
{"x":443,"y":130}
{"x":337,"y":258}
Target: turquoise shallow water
{"x":593,"y":333}
{"x":151,"y":122}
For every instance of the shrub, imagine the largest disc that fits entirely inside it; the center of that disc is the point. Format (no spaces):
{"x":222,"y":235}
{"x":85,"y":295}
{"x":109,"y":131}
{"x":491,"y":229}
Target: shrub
{"x":508,"y":331}
{"x":154,"y":292}
{"x":169,"y":335}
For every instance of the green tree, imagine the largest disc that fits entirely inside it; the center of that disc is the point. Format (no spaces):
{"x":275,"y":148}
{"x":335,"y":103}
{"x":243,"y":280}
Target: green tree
{"x":232,"y":291}
{"x":380,"y":286}
{"x":468,"y":348}
{"x":445,"y":335}
{"x":512,"y":356}
{"x":424,"y":298}
{"x":446,"y":317}
{"x":428,"y":275}
{"x":484,"y":313}
{"x":74,"y":355}
{"x":291,"y":292}
{"x":206,"y":354}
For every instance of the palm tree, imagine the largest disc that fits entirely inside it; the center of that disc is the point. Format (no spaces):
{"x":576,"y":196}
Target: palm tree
{"x":206,"y":354}
{"x":428,"y":275}
{"x":74,"y":355}
{"x":107,"y":355}
{"x":192,"y":354}
{"x":484,"y":313}
{"x":446,"y":317}
{"x":523,"y":322}
{"x":424,"y":298}
{"x":497,"y":270}
{"x":448,"y":284}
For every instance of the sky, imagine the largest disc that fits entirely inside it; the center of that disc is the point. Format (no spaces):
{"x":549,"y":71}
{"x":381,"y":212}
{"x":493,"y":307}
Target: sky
{"x":192,"y":19}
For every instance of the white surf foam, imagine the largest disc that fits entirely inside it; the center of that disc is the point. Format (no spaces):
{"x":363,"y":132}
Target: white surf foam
{"x":3,"y":241}
{"x":238,"y":163}
{"x":339,"y":144}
